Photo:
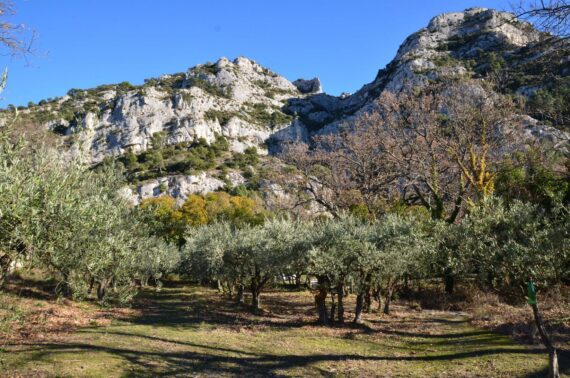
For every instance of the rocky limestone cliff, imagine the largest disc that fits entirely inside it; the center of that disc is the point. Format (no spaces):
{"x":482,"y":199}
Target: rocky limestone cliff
{"x":454,"y":45}
{"x":240,"y":100}
{"x":251,"y":106}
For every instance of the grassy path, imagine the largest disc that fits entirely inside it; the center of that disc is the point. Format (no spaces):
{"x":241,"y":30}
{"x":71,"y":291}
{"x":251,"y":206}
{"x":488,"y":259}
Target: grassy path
{"x":190,"y":331}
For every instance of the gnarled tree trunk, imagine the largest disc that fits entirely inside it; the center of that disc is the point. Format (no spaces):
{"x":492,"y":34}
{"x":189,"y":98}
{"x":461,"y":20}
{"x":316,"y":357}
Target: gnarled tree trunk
{"x":5,"y":262}
{"x":256,"y":299}
{"x":333,"y":308}
{"x":449,"y":280}
{"x":367,"y":301}
{"x":102,"y":289}
{"x":256,"y":286}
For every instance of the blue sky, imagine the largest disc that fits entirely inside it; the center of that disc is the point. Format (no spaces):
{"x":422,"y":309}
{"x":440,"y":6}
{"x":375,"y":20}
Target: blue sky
{"x":85,"y":43}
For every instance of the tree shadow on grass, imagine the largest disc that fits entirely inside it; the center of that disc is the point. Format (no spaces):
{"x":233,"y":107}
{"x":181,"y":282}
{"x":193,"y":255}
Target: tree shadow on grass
{"x":179,"y":307}
{"x":224,"y":361}
{"x":29,"y":288}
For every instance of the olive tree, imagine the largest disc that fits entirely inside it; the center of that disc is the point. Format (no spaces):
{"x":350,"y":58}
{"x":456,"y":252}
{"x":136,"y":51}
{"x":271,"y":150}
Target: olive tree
{"x":401,"y":242}
{"x":250,"y":256}
{"x":506,"y":244}
{"x":343,"y":255}
{"x":512,"y":246}
{"x":57,"y":215}
{"x":206,"y":255}
{"x":14,"y":188}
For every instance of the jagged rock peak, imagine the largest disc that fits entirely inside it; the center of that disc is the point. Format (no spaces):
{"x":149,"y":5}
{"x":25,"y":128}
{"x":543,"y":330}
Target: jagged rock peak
{"x":312,"y":86}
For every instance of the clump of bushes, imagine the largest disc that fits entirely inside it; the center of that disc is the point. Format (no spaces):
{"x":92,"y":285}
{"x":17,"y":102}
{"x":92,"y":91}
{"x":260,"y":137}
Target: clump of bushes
{"x":248,"y":158}
{"x":223,"y":117}
{"x":210,"y":88}
{"x":182,"y":158}
{"x":259,"y":113}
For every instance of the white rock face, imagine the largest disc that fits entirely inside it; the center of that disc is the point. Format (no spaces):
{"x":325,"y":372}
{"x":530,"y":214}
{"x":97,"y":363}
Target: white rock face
{"x":437,"y":51}
{"x":226,"y":98}
{"x":180,"y":186}
{"x":252,"y":106}
{"x":476,"y":28}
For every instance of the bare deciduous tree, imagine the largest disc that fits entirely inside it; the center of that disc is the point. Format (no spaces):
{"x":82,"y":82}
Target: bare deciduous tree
{"x":347,"y":168}
{"x":549,"y":15}
{"x":437,"y":147}
{"x":16,"y":39}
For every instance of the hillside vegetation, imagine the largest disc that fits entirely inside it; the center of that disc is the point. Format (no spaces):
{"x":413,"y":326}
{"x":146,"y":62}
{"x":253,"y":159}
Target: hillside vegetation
{"x":226,"y":221}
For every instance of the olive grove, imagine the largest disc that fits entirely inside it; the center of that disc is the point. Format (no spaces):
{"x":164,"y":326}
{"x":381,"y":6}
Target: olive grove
{"x":59,"y":216}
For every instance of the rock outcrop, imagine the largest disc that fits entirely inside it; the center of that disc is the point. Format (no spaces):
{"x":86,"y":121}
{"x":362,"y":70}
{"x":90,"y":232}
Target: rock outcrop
{"x":308,"y":86}
{"x":251,"y":106}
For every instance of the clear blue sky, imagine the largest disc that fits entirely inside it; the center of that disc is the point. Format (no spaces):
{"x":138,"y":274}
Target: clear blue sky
{"x":85,"y":43}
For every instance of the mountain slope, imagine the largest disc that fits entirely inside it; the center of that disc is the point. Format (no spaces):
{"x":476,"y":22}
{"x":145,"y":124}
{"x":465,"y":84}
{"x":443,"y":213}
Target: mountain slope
{"x":170,"y":125}
{"x":240,"y":100}
{"x":477,"y":43}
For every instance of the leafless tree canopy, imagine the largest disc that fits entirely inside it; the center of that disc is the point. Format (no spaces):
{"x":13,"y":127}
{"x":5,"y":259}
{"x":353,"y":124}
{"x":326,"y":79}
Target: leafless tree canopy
{"x":16,"y":39}
{"x":436,"y":147}
{"x":549,"y":15}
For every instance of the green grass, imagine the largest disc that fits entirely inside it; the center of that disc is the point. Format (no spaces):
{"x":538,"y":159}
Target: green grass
{"x":192,"y":331}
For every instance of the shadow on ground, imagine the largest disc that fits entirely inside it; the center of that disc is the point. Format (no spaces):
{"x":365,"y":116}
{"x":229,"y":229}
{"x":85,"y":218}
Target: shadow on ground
{"x":180,"y":309}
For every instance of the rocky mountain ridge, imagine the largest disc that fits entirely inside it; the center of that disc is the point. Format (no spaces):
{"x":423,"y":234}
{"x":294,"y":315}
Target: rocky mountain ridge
{"x":250,"y":106}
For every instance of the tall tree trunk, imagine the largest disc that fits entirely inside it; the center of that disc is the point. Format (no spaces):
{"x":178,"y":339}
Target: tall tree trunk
{"x":298,"y":280}
{"x":359,"y":308}
{"x":340,"y":306}
{"x":553,"y":368}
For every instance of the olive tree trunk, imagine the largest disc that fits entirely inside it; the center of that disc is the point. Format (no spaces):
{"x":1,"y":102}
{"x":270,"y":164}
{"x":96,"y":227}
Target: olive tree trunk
{"x":102,"y":289}
{"x":321,"y":300}
{"x":359,"y":308}
{"x":388,"y":299}
{"x":449,"y":280}
{"x":240,"y":297}
{"x":5,"y":262}
{"x":333,"y":308}
{"x":340,"y":304}
{"x":256,"y":286}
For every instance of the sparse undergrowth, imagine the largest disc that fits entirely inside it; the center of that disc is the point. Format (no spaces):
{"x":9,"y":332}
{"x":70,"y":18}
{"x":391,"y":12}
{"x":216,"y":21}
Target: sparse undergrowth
{"x":192,"y":330}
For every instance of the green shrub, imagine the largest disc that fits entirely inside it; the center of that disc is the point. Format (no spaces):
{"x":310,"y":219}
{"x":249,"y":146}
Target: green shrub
{"x":223,"y":117}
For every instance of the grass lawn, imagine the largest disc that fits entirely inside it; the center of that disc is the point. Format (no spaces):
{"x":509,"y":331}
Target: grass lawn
{"x":192,"y":331}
